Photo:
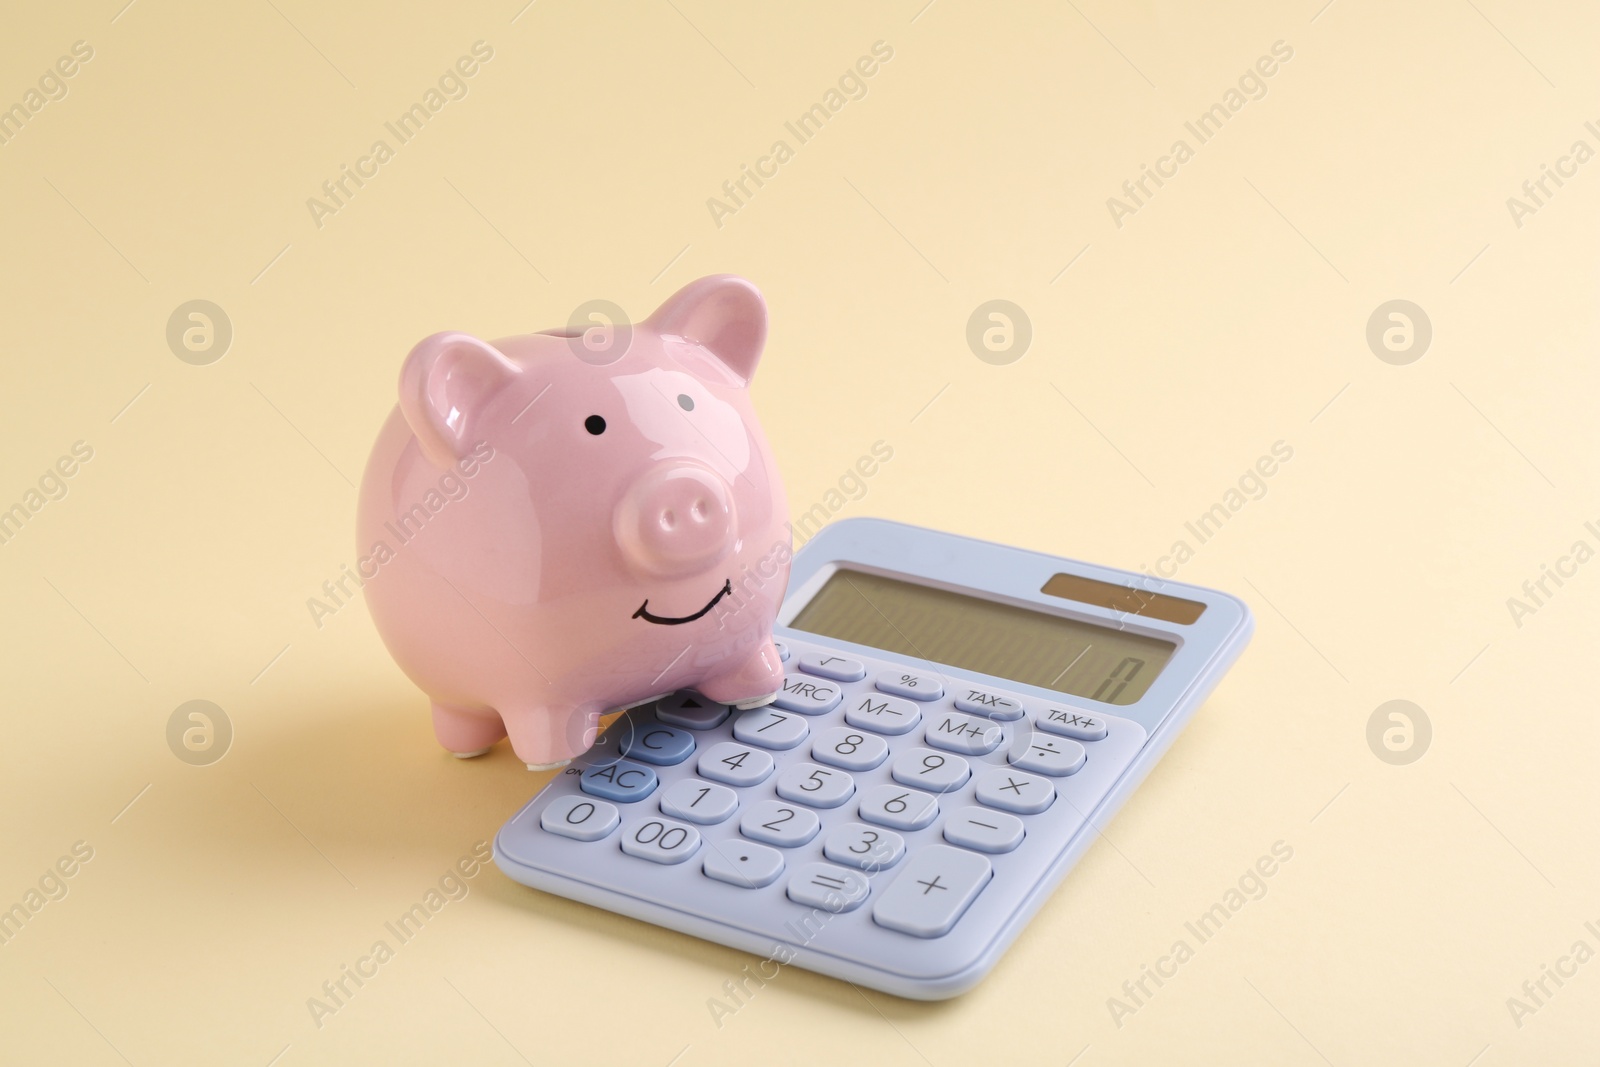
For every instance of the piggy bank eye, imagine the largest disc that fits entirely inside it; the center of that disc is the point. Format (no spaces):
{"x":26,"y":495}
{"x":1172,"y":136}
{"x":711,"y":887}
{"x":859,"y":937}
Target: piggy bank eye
{"x":595,"y":425}
{"x":685,"y":401}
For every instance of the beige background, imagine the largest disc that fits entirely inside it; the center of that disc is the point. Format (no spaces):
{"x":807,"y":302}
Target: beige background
{"x":1227,"y":314}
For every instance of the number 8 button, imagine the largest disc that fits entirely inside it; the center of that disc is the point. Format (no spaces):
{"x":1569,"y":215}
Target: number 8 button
{"x":850,"y":749}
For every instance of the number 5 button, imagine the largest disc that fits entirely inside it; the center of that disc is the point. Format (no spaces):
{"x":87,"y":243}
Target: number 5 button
{"x":806,"y":783}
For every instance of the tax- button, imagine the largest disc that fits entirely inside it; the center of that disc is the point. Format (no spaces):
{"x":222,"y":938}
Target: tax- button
{"x":839,"y":668}
{"x":905,"y":684}
{"x":993,"y":705}
{"x":1073,"y":724}
{"x":808,"y":697}
{"x":654,"y":743}
{"x":1011,"y":790}
{"x":1055,"y":756}
{"x":623,"y":781}
{"x":933,"y":891}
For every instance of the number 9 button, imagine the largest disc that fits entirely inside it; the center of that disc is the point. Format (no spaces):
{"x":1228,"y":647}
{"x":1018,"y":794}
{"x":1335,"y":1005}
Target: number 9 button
{"x":850,"y":749}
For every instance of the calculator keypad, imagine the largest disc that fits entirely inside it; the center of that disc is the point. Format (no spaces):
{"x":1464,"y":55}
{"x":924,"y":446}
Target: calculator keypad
{"x":909,"y":800}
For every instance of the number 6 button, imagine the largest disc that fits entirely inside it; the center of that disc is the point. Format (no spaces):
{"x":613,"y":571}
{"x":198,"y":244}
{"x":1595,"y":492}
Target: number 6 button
{"x":818,"y":786}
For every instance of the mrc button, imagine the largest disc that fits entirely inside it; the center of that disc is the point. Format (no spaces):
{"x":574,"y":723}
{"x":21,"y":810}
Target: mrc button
{"x":807,"y":695}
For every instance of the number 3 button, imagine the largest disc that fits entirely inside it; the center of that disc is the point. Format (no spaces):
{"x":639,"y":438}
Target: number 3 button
{"x":862,"y":846}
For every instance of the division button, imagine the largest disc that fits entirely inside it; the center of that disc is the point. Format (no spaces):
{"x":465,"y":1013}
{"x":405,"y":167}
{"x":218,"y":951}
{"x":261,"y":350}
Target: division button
{"x":1014,"y":790}
{"x":933,"y":891}
{"x":580,"y":818}
{"x":1055,"y":756}
{"x":822,"y":885}
{"x":743,"y":863}
{"x":983,"y":829}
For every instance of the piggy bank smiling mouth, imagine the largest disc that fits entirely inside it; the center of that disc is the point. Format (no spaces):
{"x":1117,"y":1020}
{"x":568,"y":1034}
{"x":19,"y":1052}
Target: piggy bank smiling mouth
{"x":664,"y":620}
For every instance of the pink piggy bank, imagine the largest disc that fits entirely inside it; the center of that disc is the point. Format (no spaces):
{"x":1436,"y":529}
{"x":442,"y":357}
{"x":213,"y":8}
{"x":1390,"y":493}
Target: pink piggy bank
{"x":562,"y":523}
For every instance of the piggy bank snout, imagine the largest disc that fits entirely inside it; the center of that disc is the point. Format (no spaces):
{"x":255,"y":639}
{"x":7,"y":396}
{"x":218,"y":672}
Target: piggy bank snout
{"x":676,"y":520}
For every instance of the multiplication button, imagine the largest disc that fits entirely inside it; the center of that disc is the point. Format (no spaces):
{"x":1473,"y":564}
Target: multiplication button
{"x":1073,"y":724}
{"x":887,"y":715}
{"x":807,"y":696}
{"x":990,"y":705}
{"x":1055,"y":756}
{"x":839,"y":668}
{"x":580,"y":818}
{"x":933,"y":891}
{"x":906,"y":684}
{"x":770,"y":729}
{"x":1012,"y":790}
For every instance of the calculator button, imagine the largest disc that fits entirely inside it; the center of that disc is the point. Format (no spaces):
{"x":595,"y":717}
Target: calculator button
{"x":896,"y":806}
{"x":955,"y":732}
{"x":734,"y":764}
{"x":580,"y":818}
{"x":844,"y":747}
{"x":933,"y":891}
{"x":887,"y":715}
{"x":1073,"y":724}
{"x":904,"y":684}
{"x":822,"y":885}
{"x":622,"y":780}
{"x":862,"y":846}
{"x":930,"y":770}
{"x":698,"y":801}
{"x":770,"y":729}
{"x":1055,"y":756}
{"x":807,"y":696}
{"x":984,"y":830}
{"x":992,"y":705}
{"x":839,"y":668}
{"x":743,"y":863}
{"x":691,"y":711}
{"x":660,"y":840}
{"x":1025,"y":794}
{"x":806,"y":783}
{"x":783,"y":651}
{"x":779,"y":824}
{"x":655,"y":743}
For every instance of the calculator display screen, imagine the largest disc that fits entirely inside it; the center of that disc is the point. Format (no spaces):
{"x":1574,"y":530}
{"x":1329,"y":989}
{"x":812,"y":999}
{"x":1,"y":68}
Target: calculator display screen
{"x":970,"y":633}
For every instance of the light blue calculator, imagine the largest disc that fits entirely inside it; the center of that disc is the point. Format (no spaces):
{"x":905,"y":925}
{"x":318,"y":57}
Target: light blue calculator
{"x":957,"y":719}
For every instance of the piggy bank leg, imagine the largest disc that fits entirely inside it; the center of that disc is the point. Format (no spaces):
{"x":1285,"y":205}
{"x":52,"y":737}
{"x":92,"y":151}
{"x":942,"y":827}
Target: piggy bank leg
{"x":545,"y":738}
{"x":752,"y":683}
{"x":466,"y":732}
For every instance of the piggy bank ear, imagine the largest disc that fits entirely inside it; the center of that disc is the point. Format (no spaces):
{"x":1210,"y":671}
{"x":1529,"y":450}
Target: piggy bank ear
{"x":725,"y":314}
{"x":445,"y":384}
